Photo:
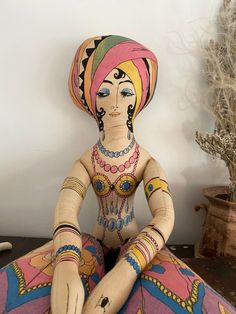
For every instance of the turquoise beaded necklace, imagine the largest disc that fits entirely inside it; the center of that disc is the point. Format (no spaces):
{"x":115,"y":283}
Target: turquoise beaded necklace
{"x":116,"y":154}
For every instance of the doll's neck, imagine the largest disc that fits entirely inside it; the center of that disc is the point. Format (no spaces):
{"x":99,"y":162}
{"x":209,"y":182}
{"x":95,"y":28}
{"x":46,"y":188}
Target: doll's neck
{"x":116,"y":138}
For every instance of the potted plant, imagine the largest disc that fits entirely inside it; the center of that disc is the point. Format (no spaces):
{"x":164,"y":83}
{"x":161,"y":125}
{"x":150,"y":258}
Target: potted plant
{"x":219,"y":68}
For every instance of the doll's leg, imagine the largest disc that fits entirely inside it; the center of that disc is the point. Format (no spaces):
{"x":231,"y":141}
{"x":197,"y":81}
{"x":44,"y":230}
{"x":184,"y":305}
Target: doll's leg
{"x":25,"y":283}
{"x":92,"y":267}
{"x":167,"y":285}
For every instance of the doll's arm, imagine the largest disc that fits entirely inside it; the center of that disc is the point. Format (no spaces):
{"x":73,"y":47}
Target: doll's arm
{"x":68,"y":206}
{"x":153,"y":237}
{"x":67,"y":295}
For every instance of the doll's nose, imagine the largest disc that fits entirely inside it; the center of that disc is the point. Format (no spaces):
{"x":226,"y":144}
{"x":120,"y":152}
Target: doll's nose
{"x":115,"y":105}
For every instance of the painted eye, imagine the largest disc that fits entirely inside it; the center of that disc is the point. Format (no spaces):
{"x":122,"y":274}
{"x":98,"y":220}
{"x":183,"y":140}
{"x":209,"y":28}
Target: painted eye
{"x":104,"y":92}
{"x":127,"y":92}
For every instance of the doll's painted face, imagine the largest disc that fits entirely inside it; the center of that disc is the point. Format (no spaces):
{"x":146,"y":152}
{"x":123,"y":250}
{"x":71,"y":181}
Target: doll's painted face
{"x":115,"y":97}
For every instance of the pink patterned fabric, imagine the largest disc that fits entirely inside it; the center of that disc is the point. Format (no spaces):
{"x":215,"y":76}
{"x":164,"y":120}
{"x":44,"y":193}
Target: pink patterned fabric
{"x":25,"y":283}
{"x":166,"y":286}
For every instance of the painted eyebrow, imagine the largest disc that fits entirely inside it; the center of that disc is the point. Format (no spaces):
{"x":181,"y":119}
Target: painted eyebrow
{"x":125,"y":81}
{"x":106,"y":81}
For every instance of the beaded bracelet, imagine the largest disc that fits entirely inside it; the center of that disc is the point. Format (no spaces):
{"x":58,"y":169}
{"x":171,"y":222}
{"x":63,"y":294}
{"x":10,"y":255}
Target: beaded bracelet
{"x":68,"y":253}
{"x":133,"y":263}
{"x":68,"y":247}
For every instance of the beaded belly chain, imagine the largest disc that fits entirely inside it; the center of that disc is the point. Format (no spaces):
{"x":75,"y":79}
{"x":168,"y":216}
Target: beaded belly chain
{"x":124,"y":186}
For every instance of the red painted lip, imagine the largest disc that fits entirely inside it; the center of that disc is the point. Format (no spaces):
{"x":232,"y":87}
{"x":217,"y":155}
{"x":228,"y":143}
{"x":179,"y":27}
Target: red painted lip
{"x":114,"y":114}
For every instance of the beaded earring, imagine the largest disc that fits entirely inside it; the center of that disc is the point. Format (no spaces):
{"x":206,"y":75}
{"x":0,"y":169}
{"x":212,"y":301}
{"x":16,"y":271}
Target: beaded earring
{"x":103,"y":135}
{"x":129,"y":135}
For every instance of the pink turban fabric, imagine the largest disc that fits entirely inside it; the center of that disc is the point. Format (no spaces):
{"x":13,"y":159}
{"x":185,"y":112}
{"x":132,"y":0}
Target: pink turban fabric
{"x":96,"y":57}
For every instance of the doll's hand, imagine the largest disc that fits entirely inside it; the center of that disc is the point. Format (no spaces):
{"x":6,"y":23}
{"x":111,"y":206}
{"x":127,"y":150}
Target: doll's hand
{"x":112,"y":291}
{"x":67,"y":293}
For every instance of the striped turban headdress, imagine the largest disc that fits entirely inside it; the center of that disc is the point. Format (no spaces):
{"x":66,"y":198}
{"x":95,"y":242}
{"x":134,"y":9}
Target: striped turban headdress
{"x":96,"y":57}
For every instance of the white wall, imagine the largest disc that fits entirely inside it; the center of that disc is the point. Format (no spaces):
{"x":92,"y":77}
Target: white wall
{"x":42,"y":132}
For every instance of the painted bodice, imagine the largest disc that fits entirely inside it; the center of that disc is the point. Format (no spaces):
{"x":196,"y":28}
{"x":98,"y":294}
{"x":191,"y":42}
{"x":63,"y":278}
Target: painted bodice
{"x":115,"y":196}
{"x":124,"y":185}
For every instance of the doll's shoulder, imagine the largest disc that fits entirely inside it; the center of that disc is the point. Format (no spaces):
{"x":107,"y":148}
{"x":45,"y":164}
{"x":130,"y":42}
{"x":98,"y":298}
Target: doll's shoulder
{"x":79,"y":170}
{"x":85,"y":159}
{"x":86,"y":155}
{"x":144,"y":154}
{"x":150,"y":163}
{"x":144,"y":157}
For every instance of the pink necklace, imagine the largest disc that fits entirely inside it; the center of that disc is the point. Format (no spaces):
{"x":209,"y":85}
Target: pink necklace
{"x":113,"y":168}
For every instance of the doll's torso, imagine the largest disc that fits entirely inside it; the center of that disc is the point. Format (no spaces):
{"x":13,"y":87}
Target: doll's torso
{"x":115,"y":189}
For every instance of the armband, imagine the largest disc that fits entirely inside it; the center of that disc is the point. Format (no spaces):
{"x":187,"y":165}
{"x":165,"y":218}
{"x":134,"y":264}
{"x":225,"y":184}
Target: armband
{"x":155,"y":184}
{"x":66,"y":227}
{"x":153,"y":227}
{"x":74,"y":184}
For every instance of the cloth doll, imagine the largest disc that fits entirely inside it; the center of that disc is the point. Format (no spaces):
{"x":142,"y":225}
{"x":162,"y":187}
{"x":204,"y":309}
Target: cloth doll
{"x":117,"y":268}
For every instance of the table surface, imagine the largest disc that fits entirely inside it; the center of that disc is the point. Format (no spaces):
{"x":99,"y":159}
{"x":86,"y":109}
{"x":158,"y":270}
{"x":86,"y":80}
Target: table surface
{"x":218,"y":272}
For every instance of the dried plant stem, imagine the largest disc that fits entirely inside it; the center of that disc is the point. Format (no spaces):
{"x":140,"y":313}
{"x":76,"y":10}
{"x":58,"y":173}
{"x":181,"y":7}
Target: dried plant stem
{"x":219,"y":69}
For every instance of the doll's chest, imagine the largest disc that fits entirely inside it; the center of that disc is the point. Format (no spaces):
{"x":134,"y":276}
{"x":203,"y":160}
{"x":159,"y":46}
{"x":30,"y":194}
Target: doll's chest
{"x":124,"y":185}
{"x":116,"y":175}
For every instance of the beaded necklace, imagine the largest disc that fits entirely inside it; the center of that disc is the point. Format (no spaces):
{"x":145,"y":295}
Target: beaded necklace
{"x":114,"y":168}
{"x":116,"y":154}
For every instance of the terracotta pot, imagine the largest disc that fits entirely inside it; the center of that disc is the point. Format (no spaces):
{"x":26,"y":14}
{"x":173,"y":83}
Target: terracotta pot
{"x":219,"y":229}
